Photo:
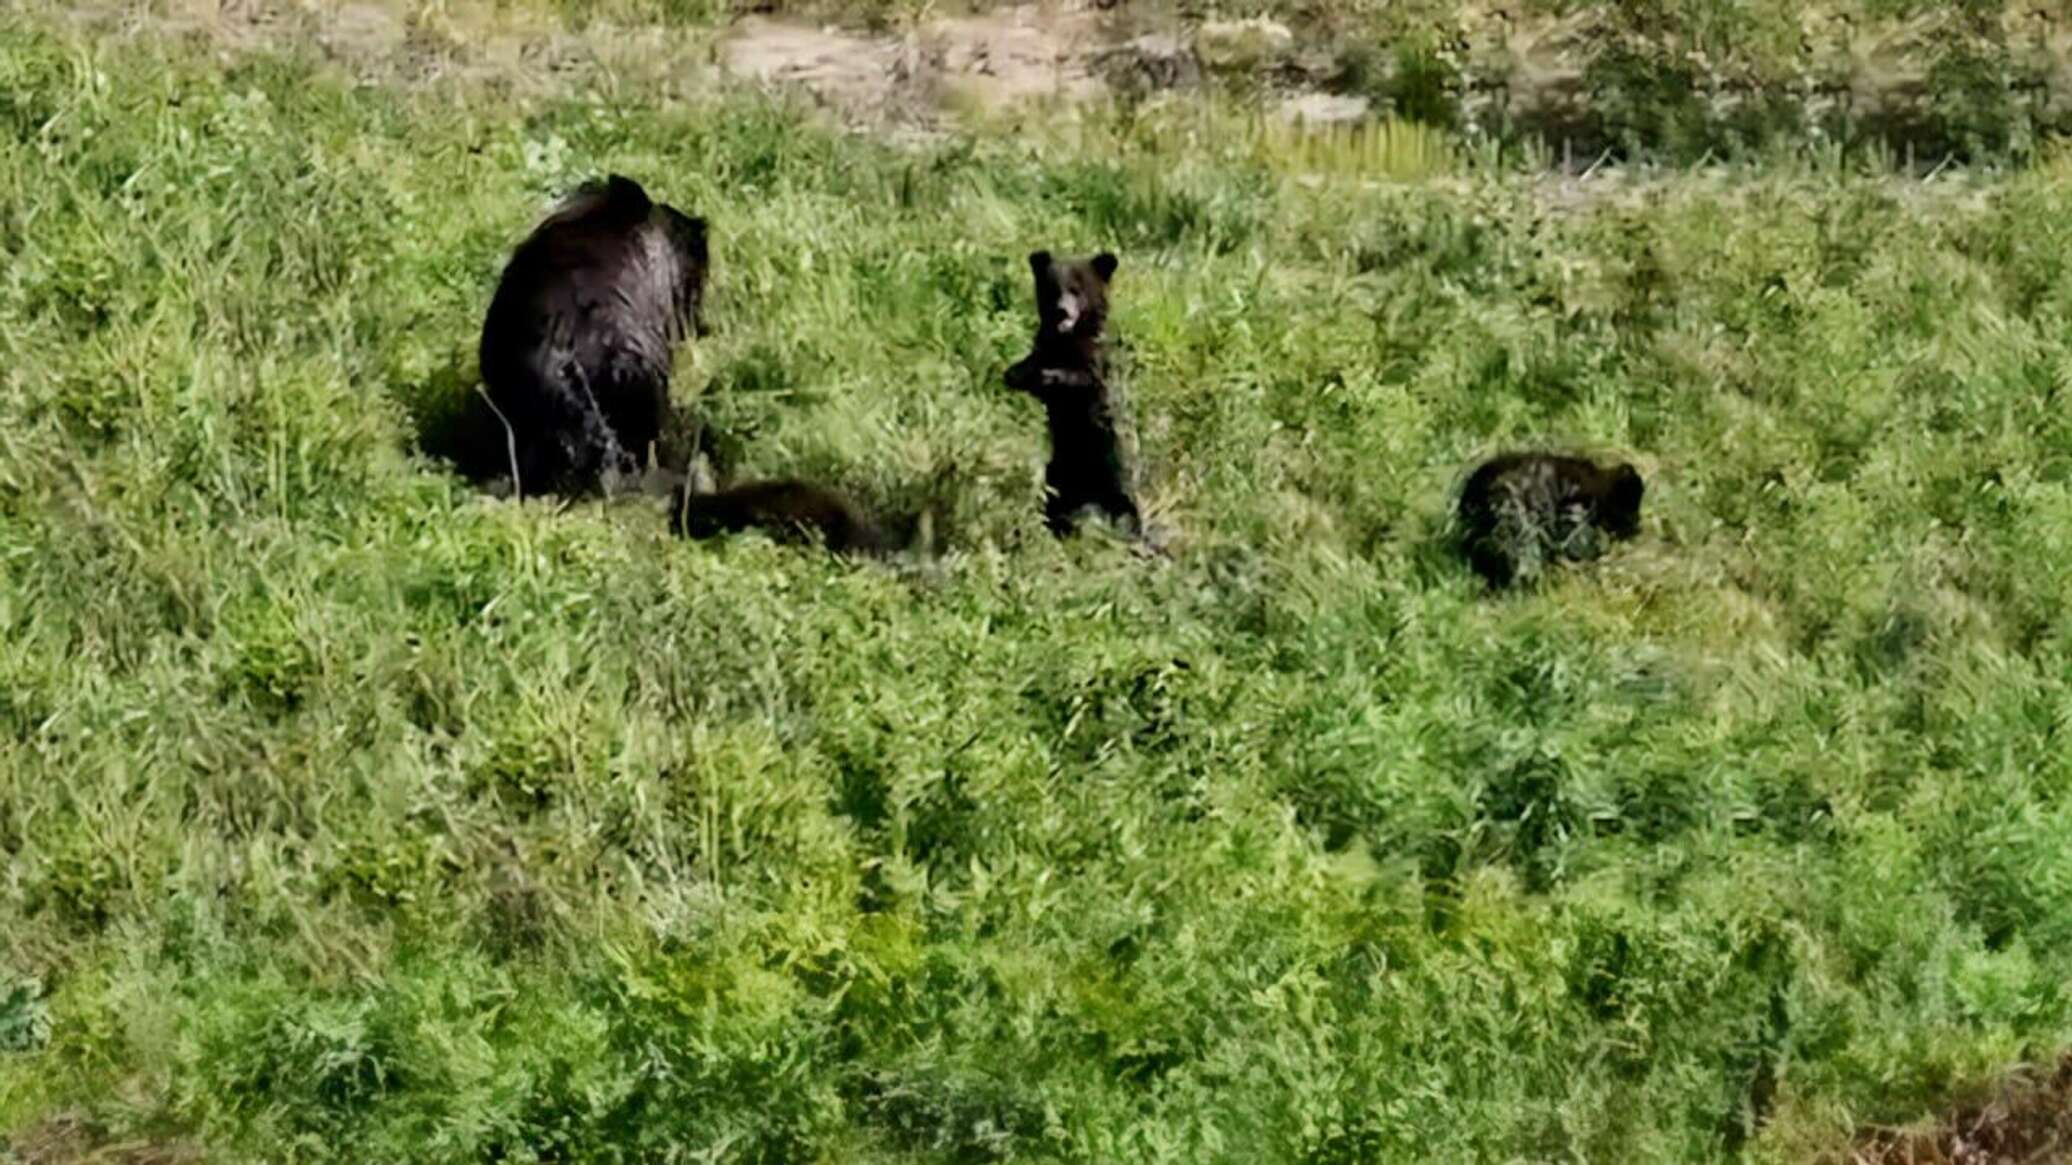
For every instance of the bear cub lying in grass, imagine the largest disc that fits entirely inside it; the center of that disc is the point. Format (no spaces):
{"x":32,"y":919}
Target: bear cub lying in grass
{"x":577,"y":345}
{"x":1066,"y":371}
{"x":788,"y":509}
{"x":799,"y":513}
{"x":1522,"y":512}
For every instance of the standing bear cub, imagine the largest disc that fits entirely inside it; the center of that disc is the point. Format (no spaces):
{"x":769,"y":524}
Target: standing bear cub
{"x":1067,"y":371}
{"x":577,"y":345}
{"x":1521,"y":512}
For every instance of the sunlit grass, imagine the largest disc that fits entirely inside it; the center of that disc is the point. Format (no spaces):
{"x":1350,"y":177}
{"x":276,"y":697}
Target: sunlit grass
{"x":1367,"y":148}
{"x":347,"y":815}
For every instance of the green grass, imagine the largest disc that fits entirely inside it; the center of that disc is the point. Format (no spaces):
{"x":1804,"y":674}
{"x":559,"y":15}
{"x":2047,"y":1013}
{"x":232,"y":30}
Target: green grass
{"x":347,"y":815}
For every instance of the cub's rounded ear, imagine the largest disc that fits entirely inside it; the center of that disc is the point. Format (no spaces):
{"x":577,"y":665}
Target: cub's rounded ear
{"x":1104,"y":266}
{"x":621,"y":190}
{"x":1627,"y":485}
{"x":696,"y":235}
{"x":1039,"y":261}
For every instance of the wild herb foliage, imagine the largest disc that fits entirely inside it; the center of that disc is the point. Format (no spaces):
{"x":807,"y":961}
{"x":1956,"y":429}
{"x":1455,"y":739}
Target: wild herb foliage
{"x":348,"y":815}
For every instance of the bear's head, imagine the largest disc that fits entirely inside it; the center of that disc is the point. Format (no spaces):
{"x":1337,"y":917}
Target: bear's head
{"x":687,"y":240}
{"x":1618,"y":514}
{"x":1072,"y":295}
{"x":696,"y":514}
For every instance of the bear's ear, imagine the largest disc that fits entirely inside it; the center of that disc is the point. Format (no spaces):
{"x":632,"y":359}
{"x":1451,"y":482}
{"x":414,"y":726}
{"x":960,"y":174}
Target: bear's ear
{"x":623,"y":192}
{"x":1039,"y":261}
{"x":1104,"y":266}
{"x":1627,"y":488}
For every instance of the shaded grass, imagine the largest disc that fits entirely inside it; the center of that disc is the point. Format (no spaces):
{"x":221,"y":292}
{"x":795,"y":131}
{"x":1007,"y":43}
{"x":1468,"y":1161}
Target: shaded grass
{"x":348,"y":815}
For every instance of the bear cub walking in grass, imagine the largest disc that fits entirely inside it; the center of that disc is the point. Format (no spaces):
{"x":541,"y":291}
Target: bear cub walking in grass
{"x":1067,"y":372}
{"x":1521,"y":512}
{"x":577,"y":345}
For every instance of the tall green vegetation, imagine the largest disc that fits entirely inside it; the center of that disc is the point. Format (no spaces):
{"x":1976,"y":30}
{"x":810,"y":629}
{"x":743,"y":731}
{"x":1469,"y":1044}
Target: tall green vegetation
{"x":346,"y":815}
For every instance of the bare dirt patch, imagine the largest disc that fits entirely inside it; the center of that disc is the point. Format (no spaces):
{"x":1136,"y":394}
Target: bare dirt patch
{"x":1005,"y":56}
{"x":1015,"y":54}
{"x":2027,"y":1122}
{"x":860,"y":74}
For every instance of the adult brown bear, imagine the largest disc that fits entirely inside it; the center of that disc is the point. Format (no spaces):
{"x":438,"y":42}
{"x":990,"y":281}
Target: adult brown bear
{"x":577,"y":345}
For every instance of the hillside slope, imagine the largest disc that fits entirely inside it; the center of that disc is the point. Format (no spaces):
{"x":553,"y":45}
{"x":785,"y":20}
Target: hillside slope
{"x":351,"y":816}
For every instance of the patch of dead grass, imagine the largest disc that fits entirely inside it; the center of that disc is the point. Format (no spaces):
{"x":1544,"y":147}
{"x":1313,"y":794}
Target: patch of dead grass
{"x":70,"y":1139}
{"x":2026,"y":1121}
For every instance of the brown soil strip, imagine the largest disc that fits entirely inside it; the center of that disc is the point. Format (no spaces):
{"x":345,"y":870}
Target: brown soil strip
{"x":2028,"y":1121}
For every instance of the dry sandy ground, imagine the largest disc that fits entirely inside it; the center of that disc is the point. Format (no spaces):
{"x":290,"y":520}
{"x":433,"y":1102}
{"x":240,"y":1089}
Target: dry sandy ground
{"x":1013,"y":54}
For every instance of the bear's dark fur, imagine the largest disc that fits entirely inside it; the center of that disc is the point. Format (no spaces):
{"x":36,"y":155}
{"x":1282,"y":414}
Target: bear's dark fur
{"x":1066,"y":370}
{"x":788,"y":509}
{"x":577,"y":344}
{"x":1520,"y":512}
